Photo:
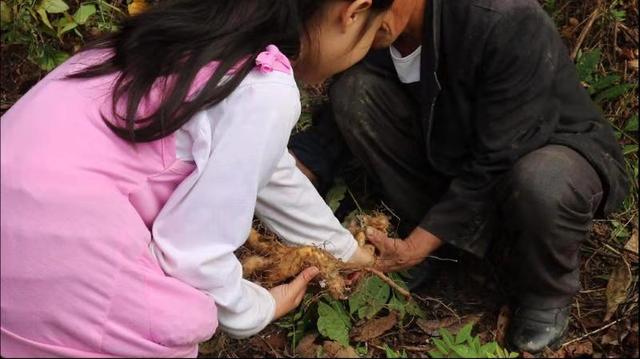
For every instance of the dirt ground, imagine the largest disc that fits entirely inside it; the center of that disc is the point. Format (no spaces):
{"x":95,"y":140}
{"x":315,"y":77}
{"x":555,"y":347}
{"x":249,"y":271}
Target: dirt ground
{"x":474,"y":289}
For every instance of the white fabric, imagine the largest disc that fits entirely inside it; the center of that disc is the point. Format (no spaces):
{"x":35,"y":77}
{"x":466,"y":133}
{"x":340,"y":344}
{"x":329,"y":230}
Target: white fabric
{"x":408,"y":67}
{"x":243,"y":166}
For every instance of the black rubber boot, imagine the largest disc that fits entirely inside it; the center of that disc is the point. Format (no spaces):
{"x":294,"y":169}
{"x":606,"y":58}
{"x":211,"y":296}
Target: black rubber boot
{"x":532,"y":330}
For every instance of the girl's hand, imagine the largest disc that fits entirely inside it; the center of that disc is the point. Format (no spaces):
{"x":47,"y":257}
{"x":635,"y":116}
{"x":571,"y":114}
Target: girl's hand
{"x":288,"y":296}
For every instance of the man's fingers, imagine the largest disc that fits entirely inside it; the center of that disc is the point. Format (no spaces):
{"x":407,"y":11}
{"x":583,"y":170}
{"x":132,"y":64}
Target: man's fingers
{"x":377,"y":238}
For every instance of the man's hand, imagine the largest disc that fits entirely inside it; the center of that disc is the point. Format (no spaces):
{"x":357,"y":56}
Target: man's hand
{"x":288,"y":296}
{"x":397,"y":254}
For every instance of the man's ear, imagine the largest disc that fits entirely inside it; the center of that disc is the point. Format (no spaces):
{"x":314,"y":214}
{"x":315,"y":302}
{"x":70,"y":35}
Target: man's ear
{"x":354,"y":13}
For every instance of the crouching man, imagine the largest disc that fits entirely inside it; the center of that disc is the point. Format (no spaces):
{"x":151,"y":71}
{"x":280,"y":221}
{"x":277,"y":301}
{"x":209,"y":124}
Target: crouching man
{"x":473,"y":122}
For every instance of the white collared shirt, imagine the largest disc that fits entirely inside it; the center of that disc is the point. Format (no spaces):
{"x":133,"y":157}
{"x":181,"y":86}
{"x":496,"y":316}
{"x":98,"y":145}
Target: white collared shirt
{"x":243,"y":166}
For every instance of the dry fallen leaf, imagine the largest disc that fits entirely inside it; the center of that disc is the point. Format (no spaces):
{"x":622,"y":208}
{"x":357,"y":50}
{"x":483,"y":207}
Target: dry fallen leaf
{"x":619,"y":282}
{"x":503,"y":322}
{"x":577,"y":349}
{"x":336,"y":350}
{"x":467,"y":319}
{"x":214,"y":345}
{"x":610,"y":337}
{"x":549,"y":353}
{"x":431,"y":326}
{"x":452,"y":324}
{"x":270,"y":341}
{"x":307,"y":348}
{"x":375,"y":328}
{"x":632,"y":244}
{"x":137,"y":6}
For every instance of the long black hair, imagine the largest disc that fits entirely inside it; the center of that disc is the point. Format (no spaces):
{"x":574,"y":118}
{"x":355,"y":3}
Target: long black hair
{"x":178,"y":38}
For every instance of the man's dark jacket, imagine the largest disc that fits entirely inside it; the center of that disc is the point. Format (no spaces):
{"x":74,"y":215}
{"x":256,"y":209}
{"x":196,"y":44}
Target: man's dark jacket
{"x":497,"y":83}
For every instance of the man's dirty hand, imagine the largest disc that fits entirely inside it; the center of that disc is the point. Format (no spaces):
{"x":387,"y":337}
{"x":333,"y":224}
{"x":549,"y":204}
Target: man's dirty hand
{"x":397,"y":254}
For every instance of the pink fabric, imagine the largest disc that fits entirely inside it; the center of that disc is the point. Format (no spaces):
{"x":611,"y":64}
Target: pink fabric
{"x":77,"y":276}
{"x":273,"y":59}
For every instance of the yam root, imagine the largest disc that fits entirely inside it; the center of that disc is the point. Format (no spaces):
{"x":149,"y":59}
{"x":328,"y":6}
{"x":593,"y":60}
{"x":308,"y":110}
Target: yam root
{"x":278,"y":263}
{"x":272,"y":263}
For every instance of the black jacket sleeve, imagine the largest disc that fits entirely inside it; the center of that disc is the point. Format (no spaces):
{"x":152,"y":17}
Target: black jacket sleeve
{"x":515,"y":113}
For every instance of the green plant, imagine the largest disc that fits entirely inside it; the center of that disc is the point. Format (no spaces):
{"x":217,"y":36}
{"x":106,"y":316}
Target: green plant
{"x":299,"y":321}
{"x":606,"y":87}
{"x":390,"y":353}
{"x":42,"y":26}
{"x":334,"y":319}
{"x":463,"y":345}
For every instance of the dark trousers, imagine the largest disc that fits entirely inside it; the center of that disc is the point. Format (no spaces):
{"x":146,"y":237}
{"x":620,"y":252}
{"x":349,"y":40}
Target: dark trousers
{"x":545,"y":203}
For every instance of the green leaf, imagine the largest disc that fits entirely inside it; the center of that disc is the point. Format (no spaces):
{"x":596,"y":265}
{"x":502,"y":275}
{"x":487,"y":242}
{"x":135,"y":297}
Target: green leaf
{"x":390,"y":353}
{"x":587,"y":64}
{"x":632,"y":124}
{"x":446,"y":335}
{"x":613,"y":93}
{"x":414,"y":309}
{"x":464,"y":334}
{"x":513,"y":355}
{"x":333,"y":322}
{"x":604,"y":83}
{"x":362,"y":350}
{"x":462,"y":351}
{"x":398,"y":306}
{"x":489,"y":348}
{"x":83,"y":13}
{"x":51,"y":58}
{"x":441,"y":346}
{"x":377,"y":295}
{"x":54,"y":6}
{"x":436,"y":354}
{"x":336,"y":194}
{"x":5,"y":13}
{"x":369,"y":298}
{"x":629,"y":149}
{"x":43,"y":16}
{"x":65,"y":25}
{"x":475,"y":343}
{"x":357,"y":299}
{"x":619,"y":15}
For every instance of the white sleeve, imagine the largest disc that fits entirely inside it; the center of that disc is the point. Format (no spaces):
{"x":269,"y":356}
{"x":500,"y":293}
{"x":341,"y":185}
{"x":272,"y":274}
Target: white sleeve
{"x":209,"y":215}
{"x":292,"y":208}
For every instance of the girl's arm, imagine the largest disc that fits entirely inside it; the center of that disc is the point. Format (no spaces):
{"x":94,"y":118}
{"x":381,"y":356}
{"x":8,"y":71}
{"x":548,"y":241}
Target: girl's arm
{"x":291,"y":207}
{"x":236,"y":147}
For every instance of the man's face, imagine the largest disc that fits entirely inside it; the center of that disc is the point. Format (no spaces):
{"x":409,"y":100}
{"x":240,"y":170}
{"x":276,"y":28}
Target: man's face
{"x":394,"y":22}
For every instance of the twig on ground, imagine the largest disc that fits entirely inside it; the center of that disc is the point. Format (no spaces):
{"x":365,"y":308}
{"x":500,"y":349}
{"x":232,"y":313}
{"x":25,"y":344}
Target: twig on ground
{"x":389,"y":281}
{"x":417,"y":349}
{"x":583,"y":35}
{"x":595,"y":331}
{"x":430,"y":299}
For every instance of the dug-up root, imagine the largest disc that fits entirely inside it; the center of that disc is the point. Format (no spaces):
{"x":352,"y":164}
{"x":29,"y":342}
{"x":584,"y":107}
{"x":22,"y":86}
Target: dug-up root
{"x":272,"y":262}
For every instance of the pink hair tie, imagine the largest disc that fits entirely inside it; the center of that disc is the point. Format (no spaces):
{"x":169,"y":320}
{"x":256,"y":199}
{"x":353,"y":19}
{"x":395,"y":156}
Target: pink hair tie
{"x":273,"y":59}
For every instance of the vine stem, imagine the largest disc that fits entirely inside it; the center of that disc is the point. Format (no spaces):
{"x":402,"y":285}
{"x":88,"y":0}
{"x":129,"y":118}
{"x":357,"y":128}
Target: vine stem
{"x":389,"y":281}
